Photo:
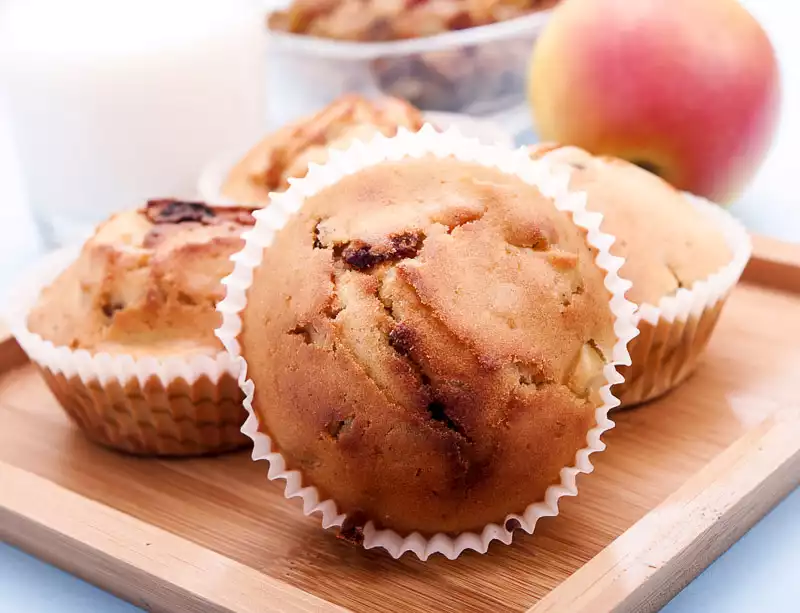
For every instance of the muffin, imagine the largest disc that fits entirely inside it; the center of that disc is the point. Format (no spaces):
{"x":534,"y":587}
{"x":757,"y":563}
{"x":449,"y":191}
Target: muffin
{"x":429,"y":343}
{"x":672,"y":245}
{"x":287,"y":153}
{"x":125,"y":334}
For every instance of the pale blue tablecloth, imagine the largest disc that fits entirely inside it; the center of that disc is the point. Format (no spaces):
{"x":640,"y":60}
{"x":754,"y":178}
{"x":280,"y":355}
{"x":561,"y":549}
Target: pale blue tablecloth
{"x":760,"y":574}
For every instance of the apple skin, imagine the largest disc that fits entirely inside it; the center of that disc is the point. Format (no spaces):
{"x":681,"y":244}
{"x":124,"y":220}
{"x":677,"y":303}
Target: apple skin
{"x":689,"y":89}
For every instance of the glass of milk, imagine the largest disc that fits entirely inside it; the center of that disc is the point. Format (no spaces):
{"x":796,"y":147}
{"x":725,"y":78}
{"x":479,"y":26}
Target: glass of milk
{"x":114,"y":102}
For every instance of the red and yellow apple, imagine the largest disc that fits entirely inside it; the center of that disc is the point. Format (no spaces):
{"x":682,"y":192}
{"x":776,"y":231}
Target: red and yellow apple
{"x":688,"y":89}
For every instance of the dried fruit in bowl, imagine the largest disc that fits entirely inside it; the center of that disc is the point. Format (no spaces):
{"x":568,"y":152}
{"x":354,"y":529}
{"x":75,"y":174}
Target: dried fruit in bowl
{"x":382,"y":20}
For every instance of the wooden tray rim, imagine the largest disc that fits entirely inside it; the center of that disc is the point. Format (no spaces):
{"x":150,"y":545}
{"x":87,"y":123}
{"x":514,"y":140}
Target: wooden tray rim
{"x":163,"y":571}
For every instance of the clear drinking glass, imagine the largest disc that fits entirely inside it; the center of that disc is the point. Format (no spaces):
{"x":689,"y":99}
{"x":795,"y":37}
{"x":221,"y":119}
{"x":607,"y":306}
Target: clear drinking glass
{"x":112,"y":103}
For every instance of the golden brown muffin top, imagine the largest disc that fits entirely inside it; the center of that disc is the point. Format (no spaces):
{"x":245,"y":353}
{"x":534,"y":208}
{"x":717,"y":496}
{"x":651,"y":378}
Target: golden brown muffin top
{"x":382,"y":20}
{"x":426,"y":339}
{"x":287,"y":153}
{"x":666,"y":242}
{"x":146,"y":283}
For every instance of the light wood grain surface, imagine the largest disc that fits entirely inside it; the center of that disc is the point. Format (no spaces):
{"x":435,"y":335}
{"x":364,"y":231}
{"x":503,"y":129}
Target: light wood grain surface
{"x":682,"y":478}
{"x":11,"y":354}
{"x":775,"y":264}
{"x":661,"y":553}
{"x":146,"y":564}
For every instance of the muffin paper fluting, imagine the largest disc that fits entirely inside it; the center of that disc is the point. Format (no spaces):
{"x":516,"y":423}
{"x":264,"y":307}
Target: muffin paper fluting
{"x":553,"y":183}
{"x":144,"y":405}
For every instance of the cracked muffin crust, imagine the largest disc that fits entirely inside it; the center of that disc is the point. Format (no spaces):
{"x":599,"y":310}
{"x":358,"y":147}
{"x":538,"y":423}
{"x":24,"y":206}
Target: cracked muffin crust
{"x":287,"y":153}
{"x":146,"y":283}
{"x":667,"y":244}
{"x":426,"y":340}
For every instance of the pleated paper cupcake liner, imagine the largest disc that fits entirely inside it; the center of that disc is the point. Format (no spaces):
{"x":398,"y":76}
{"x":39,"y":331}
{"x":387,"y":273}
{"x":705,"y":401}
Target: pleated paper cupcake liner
{"x":674,"y":333}
{"x":173,"y":406}
{"x":441,"y":145}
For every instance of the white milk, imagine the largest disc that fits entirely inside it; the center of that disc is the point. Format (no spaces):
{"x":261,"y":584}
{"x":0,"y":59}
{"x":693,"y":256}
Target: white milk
{"x":112,"y":102}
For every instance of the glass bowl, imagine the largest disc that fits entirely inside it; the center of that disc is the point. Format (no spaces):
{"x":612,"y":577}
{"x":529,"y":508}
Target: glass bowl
{"x":479,"y":71}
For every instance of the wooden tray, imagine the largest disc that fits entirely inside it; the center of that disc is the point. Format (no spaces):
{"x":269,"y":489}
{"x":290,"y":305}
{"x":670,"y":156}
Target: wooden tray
{"x":682,"y":479}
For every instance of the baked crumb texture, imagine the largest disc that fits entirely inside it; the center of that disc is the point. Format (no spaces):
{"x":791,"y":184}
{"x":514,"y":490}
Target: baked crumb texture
{"x":145,"y":286}
{"x":427,"y":339}
{"x":668,"y":245}
{"x":287,"y":153}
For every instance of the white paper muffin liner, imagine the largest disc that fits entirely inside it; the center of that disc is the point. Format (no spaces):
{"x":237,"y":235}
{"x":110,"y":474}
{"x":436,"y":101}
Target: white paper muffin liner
{"x":674,"y":332}
{"x":212,"y":178}
{"x":406,"y":144}
{"x":103,"y":368}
